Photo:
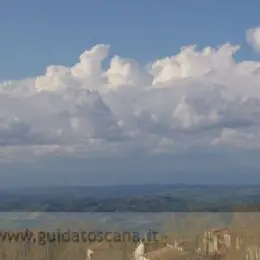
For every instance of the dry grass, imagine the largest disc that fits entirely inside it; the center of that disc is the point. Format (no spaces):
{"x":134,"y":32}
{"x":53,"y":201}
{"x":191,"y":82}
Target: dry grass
{"x":246,"y":226}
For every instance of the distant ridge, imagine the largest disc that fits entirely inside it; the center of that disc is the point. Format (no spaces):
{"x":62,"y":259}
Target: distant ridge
{"x":132,"y":198}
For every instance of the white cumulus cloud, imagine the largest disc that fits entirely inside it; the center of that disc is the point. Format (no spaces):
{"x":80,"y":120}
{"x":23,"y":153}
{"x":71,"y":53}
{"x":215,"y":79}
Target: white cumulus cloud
{"x":253,"y":37}
{"x":235,"y":138}
{"x":196,"y":98}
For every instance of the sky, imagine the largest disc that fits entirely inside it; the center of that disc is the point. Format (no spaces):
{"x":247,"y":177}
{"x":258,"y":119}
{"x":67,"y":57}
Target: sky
{"x":128,"y":92}
{"x":35,"y":34}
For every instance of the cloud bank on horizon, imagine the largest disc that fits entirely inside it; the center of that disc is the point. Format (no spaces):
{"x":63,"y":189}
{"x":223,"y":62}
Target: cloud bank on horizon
{"x":197,"y":98}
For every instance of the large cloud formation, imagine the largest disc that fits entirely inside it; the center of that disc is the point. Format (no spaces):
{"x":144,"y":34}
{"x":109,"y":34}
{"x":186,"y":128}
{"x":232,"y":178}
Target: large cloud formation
{"x":197,"y":98}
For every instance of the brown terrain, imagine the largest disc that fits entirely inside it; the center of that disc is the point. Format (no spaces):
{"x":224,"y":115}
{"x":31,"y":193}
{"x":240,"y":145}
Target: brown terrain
{"x":241,"y":240}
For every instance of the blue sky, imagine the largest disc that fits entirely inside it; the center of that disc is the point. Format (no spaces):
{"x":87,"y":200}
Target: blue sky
{"x":197,"y":114}
{"x":35,"y":34}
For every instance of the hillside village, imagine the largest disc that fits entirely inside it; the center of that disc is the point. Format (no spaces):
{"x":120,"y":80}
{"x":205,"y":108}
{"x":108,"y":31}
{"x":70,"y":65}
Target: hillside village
{"x":215,"y":243}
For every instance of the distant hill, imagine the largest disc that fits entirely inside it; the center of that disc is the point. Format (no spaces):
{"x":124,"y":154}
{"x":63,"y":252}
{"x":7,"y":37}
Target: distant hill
{"x":136,"y":198}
